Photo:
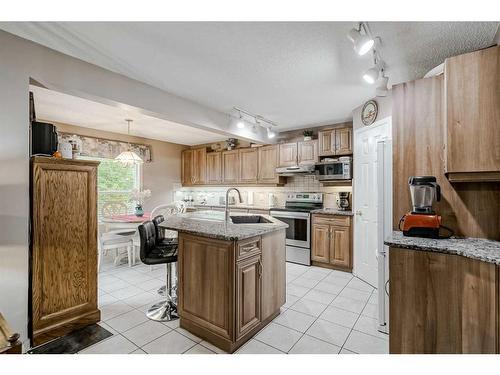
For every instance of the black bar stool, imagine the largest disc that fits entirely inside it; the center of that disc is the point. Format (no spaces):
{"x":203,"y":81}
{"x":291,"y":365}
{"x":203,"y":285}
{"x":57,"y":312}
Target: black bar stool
{"x":152,"y":253}
{"x":161,"y":240}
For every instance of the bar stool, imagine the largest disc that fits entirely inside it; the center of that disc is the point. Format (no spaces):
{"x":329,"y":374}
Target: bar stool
{"x":152,"y":253}
{"x":162,"y":240}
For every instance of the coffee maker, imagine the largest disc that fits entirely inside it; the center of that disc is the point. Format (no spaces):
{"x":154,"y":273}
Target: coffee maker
{"x":422,"y":221}
{"x":343,"y":203}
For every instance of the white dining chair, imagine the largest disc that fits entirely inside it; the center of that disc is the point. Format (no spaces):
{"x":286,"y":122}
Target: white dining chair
{"x":116,"y":240}
{"x":169,"y":210}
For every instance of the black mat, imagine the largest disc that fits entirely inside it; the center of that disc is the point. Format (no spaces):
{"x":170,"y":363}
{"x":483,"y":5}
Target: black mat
{"x":74,"y":342}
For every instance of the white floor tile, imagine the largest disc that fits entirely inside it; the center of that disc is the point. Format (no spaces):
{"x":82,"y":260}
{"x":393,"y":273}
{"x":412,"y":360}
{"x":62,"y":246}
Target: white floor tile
{"x":369,"y":325}
{"x":345,"y":351}
{"x":189,"y":335}
{"x":325,"y":286}
{"x":257,"y":347}
{"x":151,"y":284}
{"x":339,"y":316}
{"x":366,"y":344}
{"x":106,"y":299}
{"x":342,"y":274}
{"x":309,"y":307}
{"x":323,"y":270}
{"x":330,"y":332}
{"x":295,"y":320}
{"x":126,"y":292}
{"x":348,"y":304}
{"x":112,"y":286}
{"x":173,"y":324}
{"x":296,"y":290}
{"x":374,"y":298}
{"x":315,"y":275}
{"x":108,"y":328}
{"x":290,"y":300}
{"x":355,"y":294}
{"x":311,"y":345}
{"x":358,"y":284}
{"x":319,"y":296}
{"x":142,"y":299}
{"x":126,"y":321}
{"x":145,"y":332}
{"x":199,"y":349}
{"x":170,"y":343}
{"x":370,"y":310}
{"x":340,"y":281}
{"x":114,"y":345}
{"x":278,"y":336}
{"x":114,"y":309}
{"x":212,"y":347}
{"x":305,"y":282}
{"x":139,"y":351}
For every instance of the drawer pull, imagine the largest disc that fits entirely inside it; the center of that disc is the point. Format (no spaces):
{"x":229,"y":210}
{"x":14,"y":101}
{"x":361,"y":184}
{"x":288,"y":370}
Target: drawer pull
{"x":247,"y":249}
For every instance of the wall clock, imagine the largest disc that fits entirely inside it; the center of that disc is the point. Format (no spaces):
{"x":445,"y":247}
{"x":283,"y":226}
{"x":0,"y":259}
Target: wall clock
{"x":369,"y":112}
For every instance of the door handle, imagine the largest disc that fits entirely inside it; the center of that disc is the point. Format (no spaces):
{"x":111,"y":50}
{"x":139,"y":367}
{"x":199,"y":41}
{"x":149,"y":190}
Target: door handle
{"x":359,"y":213}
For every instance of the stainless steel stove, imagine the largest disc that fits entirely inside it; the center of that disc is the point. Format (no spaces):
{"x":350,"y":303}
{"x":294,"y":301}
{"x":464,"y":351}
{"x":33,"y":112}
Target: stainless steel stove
{"x":297,"y":214}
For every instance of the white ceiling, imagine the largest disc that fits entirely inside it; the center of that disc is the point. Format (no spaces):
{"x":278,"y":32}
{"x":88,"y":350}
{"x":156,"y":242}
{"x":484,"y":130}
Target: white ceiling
{"x":294,"y":73}
{"x":54,"y":106}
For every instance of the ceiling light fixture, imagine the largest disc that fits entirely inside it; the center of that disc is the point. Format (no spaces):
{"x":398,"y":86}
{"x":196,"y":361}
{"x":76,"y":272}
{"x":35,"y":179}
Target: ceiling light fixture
{"x":382,"y":89}
{"x":258,"y":122}
{"x":372,"y":74}
{"x":129,"y":157}
{"x":363,"y":43}
{"x":270,"y":133}
{"x":240,"y":124}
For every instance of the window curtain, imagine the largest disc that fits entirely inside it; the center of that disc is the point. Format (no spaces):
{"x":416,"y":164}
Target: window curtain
{"x":105,"y":148}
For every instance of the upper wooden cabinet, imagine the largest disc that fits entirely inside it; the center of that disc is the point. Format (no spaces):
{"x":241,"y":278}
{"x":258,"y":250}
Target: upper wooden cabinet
{"x":335,"y":142}
{"x":472,"y":97}
{"x":187,"y":167}
{"x":288,"y":154}
{"x":308,"y":152}
{"x":199,"y":165}
{"x":214,"y":168}
{"x":249,"y":165}
{"x":63,"y":247}
{"x":230,"y":167}
{"x":268,"y":162}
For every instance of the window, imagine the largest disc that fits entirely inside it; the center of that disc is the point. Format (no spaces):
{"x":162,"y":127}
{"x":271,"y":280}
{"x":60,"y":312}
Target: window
{"x":115,"y":182}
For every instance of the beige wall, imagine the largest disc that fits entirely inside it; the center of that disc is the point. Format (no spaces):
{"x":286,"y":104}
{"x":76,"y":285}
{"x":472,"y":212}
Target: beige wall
{"x":159,"y":175}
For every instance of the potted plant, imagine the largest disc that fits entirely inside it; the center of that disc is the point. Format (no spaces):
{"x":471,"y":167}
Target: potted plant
{"x":139,"y":197}
{"x":307,"y":135}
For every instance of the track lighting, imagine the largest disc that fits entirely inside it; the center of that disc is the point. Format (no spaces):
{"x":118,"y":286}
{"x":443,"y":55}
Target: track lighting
{"x":371,"y":75}
{"x":382,"y":89}
{"x":363,"y":43}
{"x":240,"y":124}
{"x":258,"y":122}
{"x":270,"y":133}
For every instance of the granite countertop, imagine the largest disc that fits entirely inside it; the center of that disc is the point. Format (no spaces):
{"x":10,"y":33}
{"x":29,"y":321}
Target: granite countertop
{"x":235,"y":206}
{"x":211,"y":224}
{"x":332,"y":211}
{"x":474,"y":248}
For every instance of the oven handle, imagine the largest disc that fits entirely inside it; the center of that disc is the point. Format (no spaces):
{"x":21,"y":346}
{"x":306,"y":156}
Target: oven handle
{"x":290,"y":215}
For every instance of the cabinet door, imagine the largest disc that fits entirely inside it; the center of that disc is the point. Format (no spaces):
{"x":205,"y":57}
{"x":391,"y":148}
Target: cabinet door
{"x":472,"y":90}
{"x":288,"y":154}
{"x":326,"y":142}
{"x":320,"y":251}
{"x":268,"y":162}
{"x":199,"y":166}
{"x":248,"y":295}
{"x":249,"y":165}
{"x":214,"y":168}
{"x":308,"y":152}
{"x":343,"y":141}
{"x":340,"y":246}
{"x":187,"y":168}
{"x":230,"y":167}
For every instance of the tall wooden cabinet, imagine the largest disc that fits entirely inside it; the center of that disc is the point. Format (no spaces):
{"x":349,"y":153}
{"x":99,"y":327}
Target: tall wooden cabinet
{"x":63,"y":276}
{"x":332,"y":241}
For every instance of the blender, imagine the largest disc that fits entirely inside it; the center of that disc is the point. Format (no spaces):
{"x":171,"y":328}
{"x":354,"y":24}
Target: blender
{"x":422,"y":221}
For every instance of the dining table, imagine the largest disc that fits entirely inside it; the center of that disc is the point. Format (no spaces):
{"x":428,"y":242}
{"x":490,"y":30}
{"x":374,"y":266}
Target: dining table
{"x":124,"y":221}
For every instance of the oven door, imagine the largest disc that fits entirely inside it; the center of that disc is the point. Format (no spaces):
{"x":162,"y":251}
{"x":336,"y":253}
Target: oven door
{"x":298,"y":232}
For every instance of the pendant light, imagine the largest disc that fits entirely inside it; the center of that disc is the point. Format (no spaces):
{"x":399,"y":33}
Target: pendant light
{"x":129,"y":157}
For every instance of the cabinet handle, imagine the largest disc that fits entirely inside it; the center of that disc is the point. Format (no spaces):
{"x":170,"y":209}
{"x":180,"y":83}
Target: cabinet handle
{"x":260,"y":269}
{"x":247,"y":249}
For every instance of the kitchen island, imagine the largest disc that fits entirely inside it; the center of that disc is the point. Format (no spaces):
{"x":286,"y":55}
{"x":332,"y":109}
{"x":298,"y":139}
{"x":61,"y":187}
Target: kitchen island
{"x":231,"y":275}
{"x":444,"y":295}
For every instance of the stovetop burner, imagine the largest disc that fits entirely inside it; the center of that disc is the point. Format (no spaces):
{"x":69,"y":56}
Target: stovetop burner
{"x":302,"y":202}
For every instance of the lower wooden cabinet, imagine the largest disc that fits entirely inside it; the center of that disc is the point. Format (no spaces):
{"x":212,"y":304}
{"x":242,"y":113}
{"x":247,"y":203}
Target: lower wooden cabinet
{"x":332,"y":242}
{"x":248,"y":294}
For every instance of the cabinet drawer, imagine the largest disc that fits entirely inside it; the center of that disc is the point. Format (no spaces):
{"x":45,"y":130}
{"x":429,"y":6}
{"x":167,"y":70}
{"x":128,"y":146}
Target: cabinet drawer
{"x":338,"y":220}
{"x":248,"y":248}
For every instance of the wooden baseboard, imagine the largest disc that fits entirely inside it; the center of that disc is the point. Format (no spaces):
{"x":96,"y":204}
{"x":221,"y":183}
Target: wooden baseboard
{"x":331,"y":266}
{"x":53,"y":332}
{"x":221,"y":342}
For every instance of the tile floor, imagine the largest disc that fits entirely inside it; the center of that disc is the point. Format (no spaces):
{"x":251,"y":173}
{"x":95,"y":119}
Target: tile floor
{"x":326,"y":312}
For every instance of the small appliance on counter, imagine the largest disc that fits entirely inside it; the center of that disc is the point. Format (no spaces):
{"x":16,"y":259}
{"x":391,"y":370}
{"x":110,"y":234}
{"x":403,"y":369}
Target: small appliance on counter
{"x":423,"y":221}
{"x":343,"y":201}
{"x":43,"y":138}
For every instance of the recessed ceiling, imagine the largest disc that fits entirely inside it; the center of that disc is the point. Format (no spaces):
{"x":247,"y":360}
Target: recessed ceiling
{"x":53,"y":106}
{"x":294,"y":73}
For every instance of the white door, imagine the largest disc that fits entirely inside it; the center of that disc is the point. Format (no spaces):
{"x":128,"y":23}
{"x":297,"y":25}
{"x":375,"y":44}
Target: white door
{"x":366,"y":199}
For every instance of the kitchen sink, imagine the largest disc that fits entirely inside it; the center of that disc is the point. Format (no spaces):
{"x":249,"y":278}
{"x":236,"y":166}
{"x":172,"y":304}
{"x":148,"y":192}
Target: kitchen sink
{"x":250,"y":219}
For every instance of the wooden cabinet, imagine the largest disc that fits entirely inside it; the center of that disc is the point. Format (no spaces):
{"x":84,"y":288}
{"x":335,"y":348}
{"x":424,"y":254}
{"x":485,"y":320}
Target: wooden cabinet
{"x":248,"y":294}
{"x":288,"y":154}
{"x":214,"y":168}
{"x":332,"y":241}
{"x":199,"y":166}
{"x":335,"y":142}
{"x":472,"y":97}
{"x":249,"y":165}
{"x":187,"y":167}
{"x":308,"y":152}
{"x":64,"y":247}
{"x":268,"y":162}
{"x":230,"y":167}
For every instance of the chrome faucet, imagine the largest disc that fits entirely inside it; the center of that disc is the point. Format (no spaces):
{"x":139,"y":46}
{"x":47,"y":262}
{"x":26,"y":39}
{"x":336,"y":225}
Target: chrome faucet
{"x":226,"y":210}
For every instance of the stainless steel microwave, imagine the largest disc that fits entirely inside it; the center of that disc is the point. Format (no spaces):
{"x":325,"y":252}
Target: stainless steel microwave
{"x":335,"y":169}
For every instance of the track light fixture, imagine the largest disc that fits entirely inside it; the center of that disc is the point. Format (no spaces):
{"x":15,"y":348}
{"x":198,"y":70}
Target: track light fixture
{"x":240,"y":124}
{"x":363,"y":43}
{"x":258,"y":122}
{"x":270,"y":133}
{"x":382,"y":89}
